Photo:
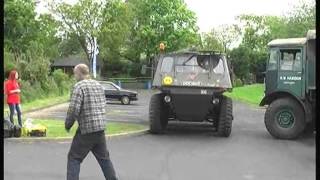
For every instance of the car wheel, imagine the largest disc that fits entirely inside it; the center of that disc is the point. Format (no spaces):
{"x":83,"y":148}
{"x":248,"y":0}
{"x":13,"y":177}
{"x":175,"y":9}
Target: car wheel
{"x":125,"y":100}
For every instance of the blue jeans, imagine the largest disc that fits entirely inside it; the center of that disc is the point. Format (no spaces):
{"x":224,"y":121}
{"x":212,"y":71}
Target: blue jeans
{"x":81,"y":145}
{"x":14,"y":107}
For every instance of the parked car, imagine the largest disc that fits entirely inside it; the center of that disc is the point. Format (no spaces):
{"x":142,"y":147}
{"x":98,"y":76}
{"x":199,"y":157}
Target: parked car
{"x":114,"y":92}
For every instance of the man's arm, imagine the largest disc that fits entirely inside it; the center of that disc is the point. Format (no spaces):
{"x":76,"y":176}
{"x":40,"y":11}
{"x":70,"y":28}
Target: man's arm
{"x":74,"y":107}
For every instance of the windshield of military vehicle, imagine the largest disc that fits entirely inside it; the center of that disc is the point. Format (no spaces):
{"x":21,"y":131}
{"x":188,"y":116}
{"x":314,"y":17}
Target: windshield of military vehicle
{"x":167,"y":64}
{"x":191,"y":69}
{"x":193,"y":63}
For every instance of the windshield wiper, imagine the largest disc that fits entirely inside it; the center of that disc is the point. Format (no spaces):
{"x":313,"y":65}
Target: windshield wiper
{"x":184,"y":63}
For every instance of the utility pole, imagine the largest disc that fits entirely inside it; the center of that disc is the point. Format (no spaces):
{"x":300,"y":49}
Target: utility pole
{"x":94,"y":61}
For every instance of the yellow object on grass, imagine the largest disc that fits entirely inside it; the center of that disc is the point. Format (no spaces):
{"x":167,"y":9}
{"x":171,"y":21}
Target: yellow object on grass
{"x":34,"y":130}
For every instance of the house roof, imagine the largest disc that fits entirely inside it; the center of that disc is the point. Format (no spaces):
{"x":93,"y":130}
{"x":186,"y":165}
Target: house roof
{"x":71,"y":61}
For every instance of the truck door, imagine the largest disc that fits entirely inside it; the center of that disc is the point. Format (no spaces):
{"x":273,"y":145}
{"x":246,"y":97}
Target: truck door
{"x":291,"y":71}
{"x":272,"y":71}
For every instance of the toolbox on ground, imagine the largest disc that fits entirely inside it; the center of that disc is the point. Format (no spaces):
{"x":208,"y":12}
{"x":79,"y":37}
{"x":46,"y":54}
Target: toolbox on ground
{"x":37,"y":130}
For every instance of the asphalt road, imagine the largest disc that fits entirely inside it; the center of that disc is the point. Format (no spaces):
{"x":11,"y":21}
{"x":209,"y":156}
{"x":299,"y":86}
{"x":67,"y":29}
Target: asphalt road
{"x":136,"y":112}
{"x":185,"y":152}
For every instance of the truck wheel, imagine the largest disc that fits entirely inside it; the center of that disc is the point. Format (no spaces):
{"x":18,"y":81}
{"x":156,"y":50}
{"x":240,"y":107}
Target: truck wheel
{"x":284,"y":119}
{"x":158,"y":114}
{"x":225,"y":117}
{"x":125,"y":100}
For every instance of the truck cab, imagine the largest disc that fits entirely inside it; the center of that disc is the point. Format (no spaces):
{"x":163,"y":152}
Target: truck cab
{"x":290,"y":86}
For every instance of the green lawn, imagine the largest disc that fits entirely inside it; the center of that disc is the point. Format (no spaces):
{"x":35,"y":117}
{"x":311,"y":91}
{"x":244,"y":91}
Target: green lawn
{"x":251,"y":94}
{"x":55,"y":128}
{"x":41,"y":103}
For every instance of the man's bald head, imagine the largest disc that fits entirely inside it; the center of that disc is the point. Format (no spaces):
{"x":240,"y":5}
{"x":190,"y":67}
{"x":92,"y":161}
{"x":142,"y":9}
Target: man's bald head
{"x":81,"y":71}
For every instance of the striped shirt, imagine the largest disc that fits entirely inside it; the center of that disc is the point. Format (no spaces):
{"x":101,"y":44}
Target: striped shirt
{"x":87,"y":106}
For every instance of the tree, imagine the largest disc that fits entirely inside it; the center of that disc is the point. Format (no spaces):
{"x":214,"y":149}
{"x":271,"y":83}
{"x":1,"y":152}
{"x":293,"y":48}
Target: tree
{"x":257,"y":31}
{"x":70,"y":45}
{"x":82,"y":19}
{"x":48,"y":35}
{"x":156,"y":21}
{"x":209,"y":41}
{"x":301,"y":19}
{"x":240,"y":59}
{"x":20,"y":26}
{"x":254,"y":32}
{"x":87,"y":20}
{"x":227,"y":34}
{"x":114,"y":31}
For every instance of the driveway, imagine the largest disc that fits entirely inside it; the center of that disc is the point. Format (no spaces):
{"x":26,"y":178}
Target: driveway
{"x":185,"y":152}
{"x":136,"y":112}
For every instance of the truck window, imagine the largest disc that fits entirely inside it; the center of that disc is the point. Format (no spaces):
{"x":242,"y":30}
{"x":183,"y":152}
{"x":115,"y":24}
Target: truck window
{"x":167,"y":64}
{"x":272,"y":65}
{"x":290,"y":60}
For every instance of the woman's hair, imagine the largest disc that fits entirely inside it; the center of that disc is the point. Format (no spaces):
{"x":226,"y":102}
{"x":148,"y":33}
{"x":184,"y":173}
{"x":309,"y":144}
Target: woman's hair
{"x":12,"y":75}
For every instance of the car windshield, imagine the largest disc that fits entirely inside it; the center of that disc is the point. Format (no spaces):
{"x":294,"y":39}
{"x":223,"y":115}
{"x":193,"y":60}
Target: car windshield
{"x":109,"y":85}
{"x":118,"y":87}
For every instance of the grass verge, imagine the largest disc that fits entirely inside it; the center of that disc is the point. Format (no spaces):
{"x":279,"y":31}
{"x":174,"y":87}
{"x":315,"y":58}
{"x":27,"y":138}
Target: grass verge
{"x":41,"y":103}
{"x":251,"y":94}
{"x":55,"y":128}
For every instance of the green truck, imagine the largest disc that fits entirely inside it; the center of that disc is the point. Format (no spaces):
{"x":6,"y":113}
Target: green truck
{"x":290,"y":88}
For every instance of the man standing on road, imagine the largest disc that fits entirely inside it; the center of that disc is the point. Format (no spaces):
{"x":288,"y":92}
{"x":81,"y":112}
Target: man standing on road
{"x":87,"y":106}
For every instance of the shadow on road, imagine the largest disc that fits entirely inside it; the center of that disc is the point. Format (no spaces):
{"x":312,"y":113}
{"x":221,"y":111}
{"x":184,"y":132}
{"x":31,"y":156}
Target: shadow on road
{"x":186,"y":129}
{"x":119,"y":103}
{"x":192,"y":129}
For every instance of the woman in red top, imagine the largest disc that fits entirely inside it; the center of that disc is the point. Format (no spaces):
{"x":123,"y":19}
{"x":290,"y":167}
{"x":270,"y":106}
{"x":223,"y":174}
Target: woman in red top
{"x":12,"y":90}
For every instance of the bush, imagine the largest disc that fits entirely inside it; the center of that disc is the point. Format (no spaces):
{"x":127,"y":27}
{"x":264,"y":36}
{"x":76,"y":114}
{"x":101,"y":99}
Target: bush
{"x":59,"y":76}
{"x":249,"y":79}
{"x":50,"y":87}
{"x":62,"y":80}
{"x":36,"y":83}
{"x":238,"y":83}
{"x":30,"y":93}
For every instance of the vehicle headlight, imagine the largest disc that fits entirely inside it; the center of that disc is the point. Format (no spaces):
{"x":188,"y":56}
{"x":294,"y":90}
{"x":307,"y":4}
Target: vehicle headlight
{"x":167,"y":99}
{"x":215,"y":101}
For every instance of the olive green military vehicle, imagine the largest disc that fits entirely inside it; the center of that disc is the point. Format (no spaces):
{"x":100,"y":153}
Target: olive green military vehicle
{"x":191,"y":86}
{"x":290,"y":89}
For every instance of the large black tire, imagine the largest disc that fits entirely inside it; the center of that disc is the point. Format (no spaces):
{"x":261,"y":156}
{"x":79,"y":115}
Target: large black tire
{"x":225,"y":117}
{"x":158,"y":114}
{"x":285,"y":119}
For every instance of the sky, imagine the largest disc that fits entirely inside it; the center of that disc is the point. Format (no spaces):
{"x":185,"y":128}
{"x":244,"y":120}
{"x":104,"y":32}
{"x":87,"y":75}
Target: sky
{"x":212,"y":13}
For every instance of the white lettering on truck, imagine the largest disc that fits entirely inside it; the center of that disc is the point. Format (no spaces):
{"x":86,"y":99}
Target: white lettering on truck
{"x":291,"y":78}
